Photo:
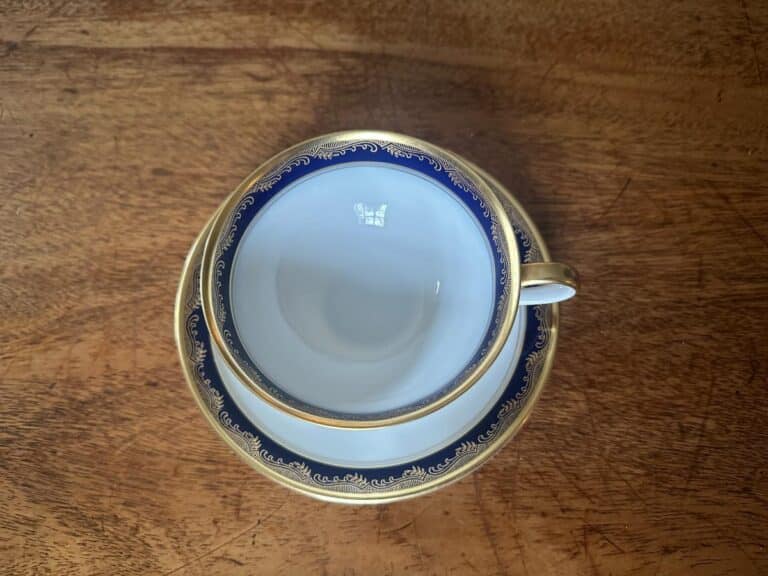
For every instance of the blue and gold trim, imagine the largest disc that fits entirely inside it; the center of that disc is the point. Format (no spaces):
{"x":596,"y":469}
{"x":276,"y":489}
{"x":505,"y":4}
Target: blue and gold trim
{"x":368,"y":485}
{"x":334,"y":150}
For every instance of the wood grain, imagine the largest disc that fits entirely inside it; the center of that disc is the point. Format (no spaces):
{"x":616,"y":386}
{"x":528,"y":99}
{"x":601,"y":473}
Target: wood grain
{"x":636,"y":134}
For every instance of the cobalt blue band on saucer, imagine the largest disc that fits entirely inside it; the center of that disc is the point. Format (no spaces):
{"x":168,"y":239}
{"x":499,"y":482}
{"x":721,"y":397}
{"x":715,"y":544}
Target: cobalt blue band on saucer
{"x":335,"y":150}
{"x":363,"y":484}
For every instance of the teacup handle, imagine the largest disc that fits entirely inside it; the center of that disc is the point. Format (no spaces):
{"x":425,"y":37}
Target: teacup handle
{"x":547,"y":283}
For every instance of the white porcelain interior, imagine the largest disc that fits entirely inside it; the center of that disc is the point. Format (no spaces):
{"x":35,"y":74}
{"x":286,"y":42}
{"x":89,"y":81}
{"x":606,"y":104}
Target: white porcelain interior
{"x":391,"y":445}
{"x":363,"y":288}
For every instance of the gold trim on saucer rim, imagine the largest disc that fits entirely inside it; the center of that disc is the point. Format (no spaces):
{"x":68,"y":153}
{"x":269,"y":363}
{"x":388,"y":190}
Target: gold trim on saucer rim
{"x":327,"y":143}
{"x":537,"y":380}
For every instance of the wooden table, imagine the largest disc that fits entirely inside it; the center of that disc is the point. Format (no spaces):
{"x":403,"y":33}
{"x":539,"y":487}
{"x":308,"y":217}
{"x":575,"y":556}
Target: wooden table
{"x":637,"y":137}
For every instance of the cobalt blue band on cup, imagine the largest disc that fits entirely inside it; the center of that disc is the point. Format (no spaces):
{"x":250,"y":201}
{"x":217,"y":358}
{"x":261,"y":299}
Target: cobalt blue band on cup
{"x":365,"y":155}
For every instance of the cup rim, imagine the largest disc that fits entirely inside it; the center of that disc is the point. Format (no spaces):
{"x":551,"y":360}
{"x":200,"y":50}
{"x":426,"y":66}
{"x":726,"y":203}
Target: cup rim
{"x":502,"y":321}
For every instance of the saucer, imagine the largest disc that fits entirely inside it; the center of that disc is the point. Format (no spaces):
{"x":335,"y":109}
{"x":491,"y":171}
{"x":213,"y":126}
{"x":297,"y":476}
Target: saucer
{"x":335,"y":467}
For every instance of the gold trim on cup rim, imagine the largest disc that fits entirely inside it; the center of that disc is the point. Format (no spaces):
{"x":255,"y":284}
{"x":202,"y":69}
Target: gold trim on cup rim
{"x":508,"y":244}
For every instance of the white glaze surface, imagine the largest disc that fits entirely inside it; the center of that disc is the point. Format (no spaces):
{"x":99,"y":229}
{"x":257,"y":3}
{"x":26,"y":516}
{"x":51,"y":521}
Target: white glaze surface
{"x":362,"y":288}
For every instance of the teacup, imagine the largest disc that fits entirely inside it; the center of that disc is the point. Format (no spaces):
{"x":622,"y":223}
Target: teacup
{"x":366,"y":278}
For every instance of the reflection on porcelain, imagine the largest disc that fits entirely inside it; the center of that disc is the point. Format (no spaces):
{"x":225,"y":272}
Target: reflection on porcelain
{"x":369,"y":316}
{"x":371,"y":215}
